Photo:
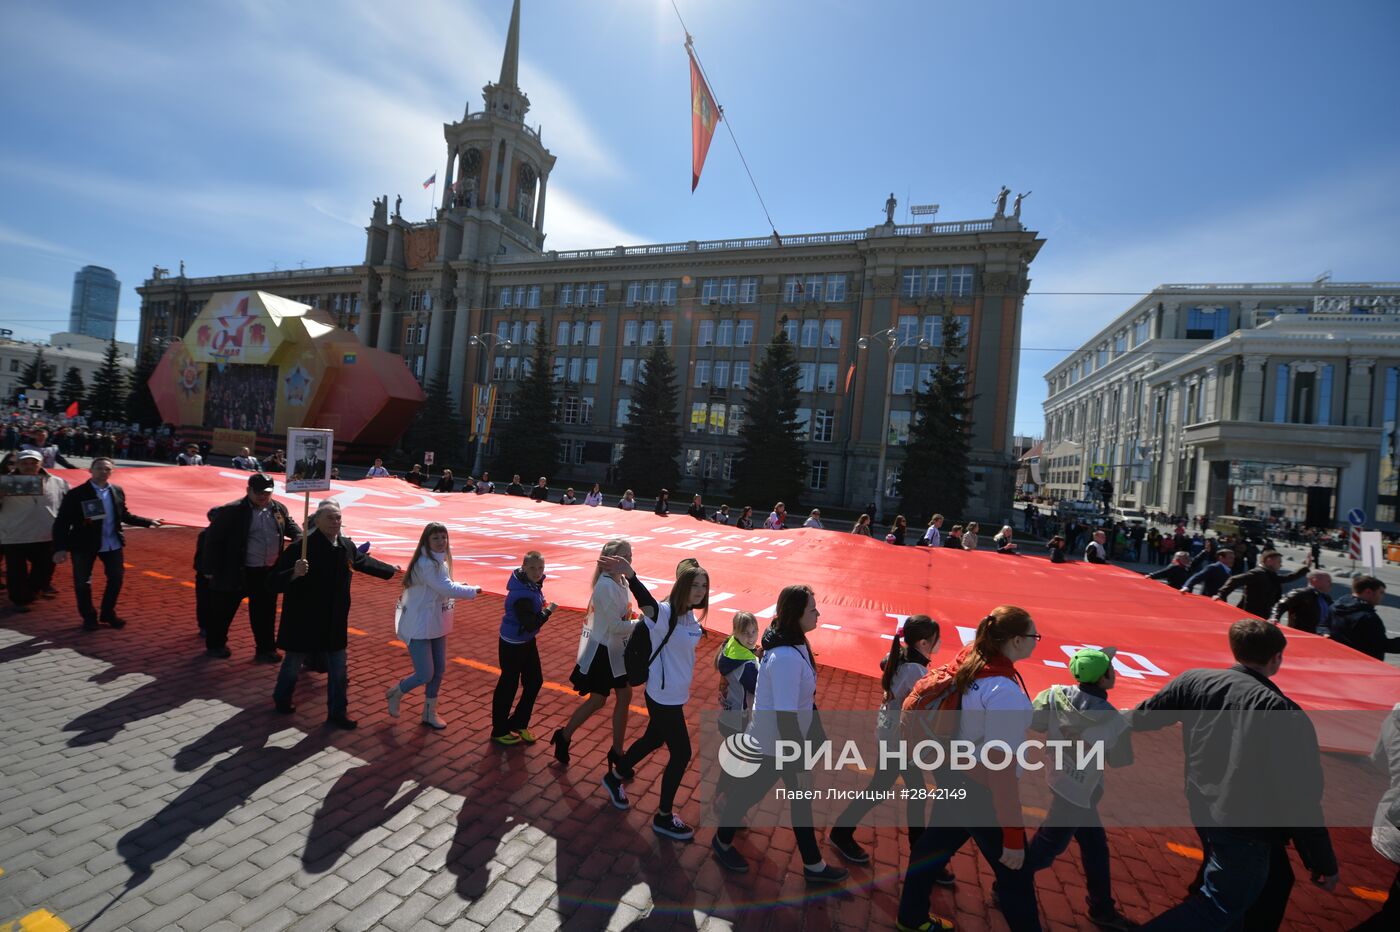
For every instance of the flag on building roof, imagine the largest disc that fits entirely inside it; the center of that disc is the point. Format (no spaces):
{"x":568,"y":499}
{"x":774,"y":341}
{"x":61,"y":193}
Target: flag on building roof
{"x":431,"y":181}
{"x":704,"y":115}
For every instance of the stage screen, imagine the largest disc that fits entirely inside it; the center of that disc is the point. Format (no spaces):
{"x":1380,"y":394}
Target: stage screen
{"x":241,"y":398}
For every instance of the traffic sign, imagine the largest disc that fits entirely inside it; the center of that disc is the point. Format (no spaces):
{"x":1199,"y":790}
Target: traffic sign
{"x":1356,"y":517}
{"x":1098,"y":470}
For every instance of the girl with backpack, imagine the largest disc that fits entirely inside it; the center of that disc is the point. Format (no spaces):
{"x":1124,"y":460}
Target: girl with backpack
{"x":423,"y":619}
{"x":737,"y":666}
{"x":982,"y":685}
{"x":905,"y":666}
{"x":601,"y":668}
{"x":784,"y":707}
{"x":671,"y":634}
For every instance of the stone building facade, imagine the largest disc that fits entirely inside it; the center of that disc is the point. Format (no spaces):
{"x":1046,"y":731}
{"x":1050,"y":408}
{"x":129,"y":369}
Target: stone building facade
{"x":462,"y":296}
{"x":1277,"y":400}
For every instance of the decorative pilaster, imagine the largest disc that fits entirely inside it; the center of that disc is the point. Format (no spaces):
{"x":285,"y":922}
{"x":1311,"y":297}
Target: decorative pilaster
{"x":1252,"y":388}
{"x":1358,"y":410}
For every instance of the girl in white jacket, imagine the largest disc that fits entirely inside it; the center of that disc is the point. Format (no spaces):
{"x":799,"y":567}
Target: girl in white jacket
{"x":423,"y":619}
{"x":601,"y":668}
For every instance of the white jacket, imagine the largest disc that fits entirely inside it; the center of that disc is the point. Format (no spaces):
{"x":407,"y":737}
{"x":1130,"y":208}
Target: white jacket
{"x":28,"y":519}
{"x":609,"y":623}
{"x":425,"y":607}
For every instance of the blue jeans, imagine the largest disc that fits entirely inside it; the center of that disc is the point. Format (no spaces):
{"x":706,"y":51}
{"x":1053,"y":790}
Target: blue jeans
{"x":429,"y":662}
{"x":1235,"y":871}
{"x":336,"y":680}
{"x":112,"y":568}
{"x":1065,"y":822}
{"x":936,"y":847}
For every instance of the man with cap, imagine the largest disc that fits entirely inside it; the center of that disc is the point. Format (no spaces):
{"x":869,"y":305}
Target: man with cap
{"x":26,"y":527}
{"x":1082,"y":712}
{"x":89,"y":525}
{"x":241,"y":545}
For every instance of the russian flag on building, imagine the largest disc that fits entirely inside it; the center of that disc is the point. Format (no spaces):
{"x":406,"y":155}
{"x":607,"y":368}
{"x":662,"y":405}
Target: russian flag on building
{"x":430,"y":182}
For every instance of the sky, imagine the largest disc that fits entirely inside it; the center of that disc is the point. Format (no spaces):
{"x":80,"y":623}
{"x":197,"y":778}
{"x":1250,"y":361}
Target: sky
{"x":1255,"y":140}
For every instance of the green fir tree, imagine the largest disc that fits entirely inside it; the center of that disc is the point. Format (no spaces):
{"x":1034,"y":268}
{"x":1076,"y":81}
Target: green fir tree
{"x":140,"y":403}
{"x":771,"y":465}
{"x":107,"y":394}
{"x":935,"y":477}
{"x":438,"y":428}
{"x":652,"y":437}
{"x":37,"y":374}
{"x":72,"y":389}
{"x":528,"y":443}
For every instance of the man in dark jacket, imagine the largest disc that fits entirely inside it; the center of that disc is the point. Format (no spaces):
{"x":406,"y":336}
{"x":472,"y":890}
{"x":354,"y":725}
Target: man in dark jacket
{"x":1263,"y":585}
{"x":1176,"y":573}
{"x":1243,"y":769}
{"x":1308,"y":608}
{"x":89,"y":526}
{"x":241,"y":545}
{"x":1213,"y":575}
{"x":1356,"y":624}
{"x":316,"y":608}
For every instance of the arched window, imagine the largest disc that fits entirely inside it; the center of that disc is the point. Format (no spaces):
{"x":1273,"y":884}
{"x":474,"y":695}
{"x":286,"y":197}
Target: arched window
{"x":525,"y":194}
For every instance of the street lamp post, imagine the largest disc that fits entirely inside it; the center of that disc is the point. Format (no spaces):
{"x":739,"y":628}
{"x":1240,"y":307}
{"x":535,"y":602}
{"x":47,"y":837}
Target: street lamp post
{"x":890,"y":336}
{"x":488,"y":342}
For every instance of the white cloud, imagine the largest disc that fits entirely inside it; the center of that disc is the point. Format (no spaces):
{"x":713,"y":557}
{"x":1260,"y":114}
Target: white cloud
{"x":572,"y":224}
{"x":9,"y":236}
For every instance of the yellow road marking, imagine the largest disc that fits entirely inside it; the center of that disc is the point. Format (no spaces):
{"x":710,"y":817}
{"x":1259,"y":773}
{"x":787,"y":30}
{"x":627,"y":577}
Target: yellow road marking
{"x":41,"y":920}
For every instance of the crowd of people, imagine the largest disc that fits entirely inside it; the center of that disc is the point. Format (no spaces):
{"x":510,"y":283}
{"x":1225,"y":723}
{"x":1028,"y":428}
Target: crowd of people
{"x":765,"y":682}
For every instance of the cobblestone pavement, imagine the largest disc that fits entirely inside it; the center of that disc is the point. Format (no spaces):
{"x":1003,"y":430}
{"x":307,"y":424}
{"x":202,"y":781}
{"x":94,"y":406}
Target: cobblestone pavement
{"x":145,"y":787}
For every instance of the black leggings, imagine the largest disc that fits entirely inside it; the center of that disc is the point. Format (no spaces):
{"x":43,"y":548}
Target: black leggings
{"x":916,"y":804}
{"x":666,"y":725}
{"x":747,"y":793}
{"x":520,"y":668}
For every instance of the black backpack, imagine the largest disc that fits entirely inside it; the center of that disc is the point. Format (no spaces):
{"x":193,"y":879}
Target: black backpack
{"x":637,"y":656}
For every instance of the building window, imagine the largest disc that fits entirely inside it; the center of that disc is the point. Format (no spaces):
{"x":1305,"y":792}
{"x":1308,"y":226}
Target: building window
{"x":504,"y":408}
{"x":826,"y":377}
{"x":823,"y":425}
{"x":790,"y":331}
{"x":908,"y":330}
{"x":748,"y":290}
{"x":650,"y":290}
{"x":595,"y":332}
{"x":1101,"y":357}
{"x":735,"y":421}
{"x":559,"y":367}
{"x":571,"y":452}
{"x":818,"y":472}
{"x":831,"y":333}
{"x":702,"y":373}
{"x":728,"y":473}
{"x":903,"y":378}
{"x":804,"y":423}
{"x":692,"y":462}
{"x":728,"y":290}
{"x":668,"y":291}
{"x":648,"y":332}
{"x":590,"y":372}
{"x":505,"y":298}
{"x":1141,"y":330}
{"x":634,"y":293}
{"x":627,"y":372}
{"x":600,"y":293}
{"x":629,"y":333}
{"x":1207,"y":323}
{"x":835,"y":288}
{"x":624,"y":407}
{"x":575,"y":369}
{"x":792,"y":288}
{"x":806,"y":376}
{"x":937,"y":281}
{"x":899,"y":427}
{"x":561,"y":333}
{"x":699,"y":416}
{"x":709,"y":291}
{"x":741,"y":375}
{"x":814,"y":288}
{"x":579,"y":331}
{"x":811,"y":332}
{"x":532,"y":296}
{"x":743,"y":333}
{"x":1120,"y":345}
{"x":911,"y":283}
{"x":566,"y":295}
{"x":666,"y":326}
{"x":717,"y":419}
{"x":961,"y":279}
{"x":570,"y":410}
{"x":724,"y":333}
{"x":707,"y":333}
{"x":721,"y":373}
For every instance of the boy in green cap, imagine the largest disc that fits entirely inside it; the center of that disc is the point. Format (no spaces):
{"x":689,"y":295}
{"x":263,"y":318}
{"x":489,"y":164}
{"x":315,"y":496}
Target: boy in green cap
{"x":1082,"y":712}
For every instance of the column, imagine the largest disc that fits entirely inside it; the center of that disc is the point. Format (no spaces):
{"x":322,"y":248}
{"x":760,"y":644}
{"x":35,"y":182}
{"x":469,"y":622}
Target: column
{"x":1252,"y":388}
{"x":507,"y":176}
{"x":437,"y":319}
{"x":1358,"y":411}
{"x":362,"y":324}
{"x":447,"y":176}
{"x":388,"y":312}
{"x":1171,"y":312}
{"x":486,"y":198}
{"x":461,"y":324}
{"x":1210,"y":384}
{"x":539,"y":207}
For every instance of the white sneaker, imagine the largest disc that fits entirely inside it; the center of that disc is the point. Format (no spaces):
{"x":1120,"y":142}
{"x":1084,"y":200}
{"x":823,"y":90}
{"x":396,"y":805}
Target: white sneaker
{"x":394,"y":697}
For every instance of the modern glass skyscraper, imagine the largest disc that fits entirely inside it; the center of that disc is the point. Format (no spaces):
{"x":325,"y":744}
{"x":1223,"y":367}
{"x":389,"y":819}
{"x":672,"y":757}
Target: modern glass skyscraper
{"x":95,"y":293}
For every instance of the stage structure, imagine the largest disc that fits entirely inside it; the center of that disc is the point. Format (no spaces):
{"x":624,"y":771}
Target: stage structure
{"x":252,"y":365}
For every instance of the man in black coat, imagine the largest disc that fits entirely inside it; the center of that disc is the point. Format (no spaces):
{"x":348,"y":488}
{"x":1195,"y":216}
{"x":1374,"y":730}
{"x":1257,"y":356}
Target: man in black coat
{"x":1263,"y":585}
{"x":1308,"y":608}
{"x":316,"y":609}
{"x":242,"y":543}
{"x":1176,"y":572}
{"x":89,"y":526}
{"x":1356,"y":624}
{"x":1251,"y":757}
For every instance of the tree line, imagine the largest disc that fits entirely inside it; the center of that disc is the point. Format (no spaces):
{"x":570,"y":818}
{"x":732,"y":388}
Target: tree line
{"x":112,"y":397}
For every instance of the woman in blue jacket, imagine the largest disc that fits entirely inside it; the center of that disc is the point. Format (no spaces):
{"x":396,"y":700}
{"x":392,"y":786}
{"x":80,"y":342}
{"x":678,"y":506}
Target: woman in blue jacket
{"x":526,"y":612}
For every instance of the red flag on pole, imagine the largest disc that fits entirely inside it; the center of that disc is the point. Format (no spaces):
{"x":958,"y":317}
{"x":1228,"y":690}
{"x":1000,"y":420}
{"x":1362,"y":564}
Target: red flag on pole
{"x":704,"y":115}
{"x":71,"y":410}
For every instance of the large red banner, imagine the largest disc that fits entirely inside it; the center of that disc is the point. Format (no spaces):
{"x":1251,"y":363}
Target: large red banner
{"x":864,"y":587}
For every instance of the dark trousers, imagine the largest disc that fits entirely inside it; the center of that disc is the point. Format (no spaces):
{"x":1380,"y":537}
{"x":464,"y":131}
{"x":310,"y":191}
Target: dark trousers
{"x":520,"y":670}
{"x":1065,"y":822}
{"x":29,"y":570}
{"x":665,"y":725}
{"x":916,"y":810}
{"x":112,"y":568}
{"x":337,"y":680}
{"x":1235,"y":874}
{"x":937,"y":845}
{"x":222,"y":606}
{"x":1389,"y":916}
{"x":745,"y":794}
{"x":201,"y":601}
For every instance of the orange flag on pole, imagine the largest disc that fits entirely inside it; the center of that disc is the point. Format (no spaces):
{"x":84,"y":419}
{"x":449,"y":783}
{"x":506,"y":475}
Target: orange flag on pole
{"x":704,"y":115}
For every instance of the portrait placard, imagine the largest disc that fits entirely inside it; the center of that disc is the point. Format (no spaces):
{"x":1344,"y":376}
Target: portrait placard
{"x":309,"y":459}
